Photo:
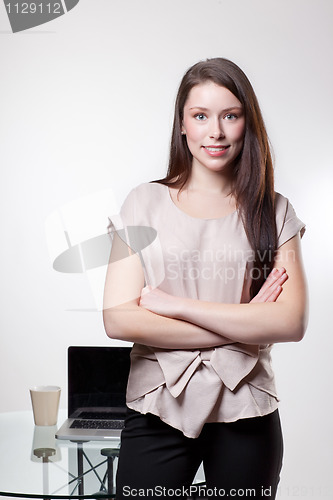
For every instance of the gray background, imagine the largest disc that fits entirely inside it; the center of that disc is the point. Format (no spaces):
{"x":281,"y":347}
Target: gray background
{"x":86,"y":108}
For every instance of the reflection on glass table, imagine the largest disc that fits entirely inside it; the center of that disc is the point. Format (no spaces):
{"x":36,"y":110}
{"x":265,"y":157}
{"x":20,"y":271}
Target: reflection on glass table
{"x":33,"y":464}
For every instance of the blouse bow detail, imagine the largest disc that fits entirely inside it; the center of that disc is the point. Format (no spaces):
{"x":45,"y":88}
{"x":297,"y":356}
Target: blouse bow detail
{"x":232,"y":363}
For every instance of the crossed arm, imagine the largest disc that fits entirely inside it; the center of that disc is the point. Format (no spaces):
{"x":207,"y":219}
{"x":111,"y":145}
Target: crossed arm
{"x":152,"y":317}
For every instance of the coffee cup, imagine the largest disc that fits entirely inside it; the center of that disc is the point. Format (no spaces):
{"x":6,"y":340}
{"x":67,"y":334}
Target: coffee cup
{"x":45,"y":404}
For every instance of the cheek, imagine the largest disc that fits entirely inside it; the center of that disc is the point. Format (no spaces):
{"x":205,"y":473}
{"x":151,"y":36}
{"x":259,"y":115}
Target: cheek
{"x":238,"y":132}
{"x":193,"y":131}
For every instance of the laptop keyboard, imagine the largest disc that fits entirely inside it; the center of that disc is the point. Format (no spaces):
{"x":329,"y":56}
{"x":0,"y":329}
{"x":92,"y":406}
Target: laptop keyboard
{"x":97,"y":424}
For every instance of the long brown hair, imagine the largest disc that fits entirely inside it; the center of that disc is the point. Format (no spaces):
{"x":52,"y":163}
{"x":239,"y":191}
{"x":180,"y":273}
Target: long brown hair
{"x":253,"y":186}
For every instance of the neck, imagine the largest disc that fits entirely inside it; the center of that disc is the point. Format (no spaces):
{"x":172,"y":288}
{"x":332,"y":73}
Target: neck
{"x":203,"y":179}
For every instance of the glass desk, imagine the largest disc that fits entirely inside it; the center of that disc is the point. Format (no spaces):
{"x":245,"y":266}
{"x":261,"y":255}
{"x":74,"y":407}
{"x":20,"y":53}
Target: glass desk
{"x":33,"y":464}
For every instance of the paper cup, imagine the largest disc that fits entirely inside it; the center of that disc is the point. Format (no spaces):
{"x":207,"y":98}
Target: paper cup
{"x":45,"y":404}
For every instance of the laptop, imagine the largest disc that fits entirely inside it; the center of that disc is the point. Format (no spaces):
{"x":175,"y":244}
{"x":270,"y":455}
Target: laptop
{"x":97,"y":381}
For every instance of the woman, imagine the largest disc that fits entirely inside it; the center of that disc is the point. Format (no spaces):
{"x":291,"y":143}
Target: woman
{"x":200,"y":294}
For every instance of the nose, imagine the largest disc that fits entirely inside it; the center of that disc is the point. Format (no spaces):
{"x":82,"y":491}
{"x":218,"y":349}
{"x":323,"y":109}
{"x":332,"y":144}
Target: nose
{"x":216,"y":131}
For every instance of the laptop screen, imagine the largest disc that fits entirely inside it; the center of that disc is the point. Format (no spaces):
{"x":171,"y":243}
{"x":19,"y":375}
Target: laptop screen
{"x":97,"y":377}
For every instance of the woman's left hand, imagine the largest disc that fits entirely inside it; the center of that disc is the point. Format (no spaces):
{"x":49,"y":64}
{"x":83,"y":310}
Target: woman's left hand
{"x":160,"y":302}
{"x":272,"y":287}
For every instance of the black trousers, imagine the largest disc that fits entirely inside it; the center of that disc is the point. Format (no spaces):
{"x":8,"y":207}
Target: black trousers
{"x":241,"y":459}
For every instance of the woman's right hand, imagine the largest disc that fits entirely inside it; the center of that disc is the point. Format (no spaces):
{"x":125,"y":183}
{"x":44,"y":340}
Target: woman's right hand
{"x":272,"y":287}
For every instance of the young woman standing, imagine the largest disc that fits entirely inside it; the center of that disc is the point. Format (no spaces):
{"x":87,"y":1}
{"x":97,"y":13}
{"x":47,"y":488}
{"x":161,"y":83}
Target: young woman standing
{"x":201,"y":297}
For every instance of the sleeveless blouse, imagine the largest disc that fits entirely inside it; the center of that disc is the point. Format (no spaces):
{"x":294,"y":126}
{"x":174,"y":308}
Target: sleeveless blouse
{"x":210,"y":260}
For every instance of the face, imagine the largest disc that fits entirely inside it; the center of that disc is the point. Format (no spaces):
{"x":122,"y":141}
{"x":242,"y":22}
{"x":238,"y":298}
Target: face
{"x":214,"y":125}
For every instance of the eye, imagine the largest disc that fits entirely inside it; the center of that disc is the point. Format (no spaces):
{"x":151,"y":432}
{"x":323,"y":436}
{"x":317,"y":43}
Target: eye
{"x":231,"y":116}
{"x":200,"y":117}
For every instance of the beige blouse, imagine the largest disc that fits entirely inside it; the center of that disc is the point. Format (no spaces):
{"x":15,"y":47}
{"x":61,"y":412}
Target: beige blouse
{"x":205,"y":259}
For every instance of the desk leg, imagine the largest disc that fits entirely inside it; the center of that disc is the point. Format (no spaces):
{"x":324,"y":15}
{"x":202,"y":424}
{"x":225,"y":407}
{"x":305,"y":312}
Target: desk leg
{"x":111,"y":454}
{"x":45,"y":454}
{"x":80,"y":468}
{"x":110,"y":476}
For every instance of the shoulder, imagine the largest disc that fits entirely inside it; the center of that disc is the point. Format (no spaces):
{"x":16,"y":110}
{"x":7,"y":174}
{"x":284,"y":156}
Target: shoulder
{"x":141,"y":201}
{"x":284,"y":210}
{"x":287,"y":222}
{"x":281,"y":206}
{"x":147,"y":190}
{"x":280,"y":199}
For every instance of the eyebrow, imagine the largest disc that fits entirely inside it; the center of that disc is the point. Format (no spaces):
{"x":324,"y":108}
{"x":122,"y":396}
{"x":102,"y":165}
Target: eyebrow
{"x":223,"y":111}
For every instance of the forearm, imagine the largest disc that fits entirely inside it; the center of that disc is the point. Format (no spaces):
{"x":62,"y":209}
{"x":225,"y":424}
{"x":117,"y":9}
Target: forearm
{"x":135,"y":324}
{"x":253,"y":323}
{"x":272,"y":315}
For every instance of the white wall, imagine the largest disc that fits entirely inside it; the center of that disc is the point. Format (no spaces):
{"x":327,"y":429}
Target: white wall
{"x":86,"y":106}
